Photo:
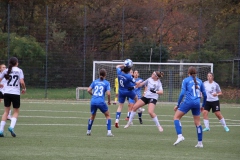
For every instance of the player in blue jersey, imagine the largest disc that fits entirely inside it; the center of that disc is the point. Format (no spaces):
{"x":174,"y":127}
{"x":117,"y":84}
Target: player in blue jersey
{"x":192,"y":87}
{"x":97,"y":89}
{"x":131,"y":101}
{"x":126,"y":86}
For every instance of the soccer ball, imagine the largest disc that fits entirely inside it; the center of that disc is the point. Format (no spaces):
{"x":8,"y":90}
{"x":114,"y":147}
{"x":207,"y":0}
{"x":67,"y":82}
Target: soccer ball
{"x":128,"y":63}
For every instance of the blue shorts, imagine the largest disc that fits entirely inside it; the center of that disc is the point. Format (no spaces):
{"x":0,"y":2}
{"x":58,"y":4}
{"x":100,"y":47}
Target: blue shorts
{"x":131,"y":101}
{"x":102,"y":106}
{"x":123,"y":94}
{"x":194,"y":106}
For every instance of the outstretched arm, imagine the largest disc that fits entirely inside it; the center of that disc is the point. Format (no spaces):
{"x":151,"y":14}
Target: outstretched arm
{"x":120,"y":66}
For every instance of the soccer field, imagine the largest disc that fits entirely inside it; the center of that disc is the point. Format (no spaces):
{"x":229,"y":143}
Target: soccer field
{"x":54,"y":130}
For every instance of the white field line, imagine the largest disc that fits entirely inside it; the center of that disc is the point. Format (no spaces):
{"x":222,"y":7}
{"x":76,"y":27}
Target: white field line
{"x":112,"y":114}
{"x":63,"y":102}
{"x":55,"y":117}
{"x":84,"y":125}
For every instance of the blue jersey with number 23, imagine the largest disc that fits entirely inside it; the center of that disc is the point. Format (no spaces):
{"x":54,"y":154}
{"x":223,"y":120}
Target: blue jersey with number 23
{"x":99,"y":89}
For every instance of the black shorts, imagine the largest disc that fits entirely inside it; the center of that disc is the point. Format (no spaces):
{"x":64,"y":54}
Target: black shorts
{"x":215,"y":106}
{"x":12,"y":98}
{"x":149,"y":100}
{"x":1,"y":95}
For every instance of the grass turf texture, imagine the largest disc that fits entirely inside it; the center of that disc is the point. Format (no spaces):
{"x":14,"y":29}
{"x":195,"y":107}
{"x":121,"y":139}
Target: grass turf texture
{"x":55,"y":130}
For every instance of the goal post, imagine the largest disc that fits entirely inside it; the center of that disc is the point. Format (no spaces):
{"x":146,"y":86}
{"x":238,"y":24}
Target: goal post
{"x":174,"y":73}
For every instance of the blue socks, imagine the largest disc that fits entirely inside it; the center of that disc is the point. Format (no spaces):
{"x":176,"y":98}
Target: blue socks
{"x":140,"y":115}
{"x":118,"y":114}
{"x":109,"y":124}
{"x":178,"y":127}
{"x":199,"y":132}
{"x":90,"y":122}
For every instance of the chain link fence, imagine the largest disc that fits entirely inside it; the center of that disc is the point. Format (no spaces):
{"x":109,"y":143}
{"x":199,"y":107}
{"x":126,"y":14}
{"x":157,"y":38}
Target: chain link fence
{"x":56,"y":44}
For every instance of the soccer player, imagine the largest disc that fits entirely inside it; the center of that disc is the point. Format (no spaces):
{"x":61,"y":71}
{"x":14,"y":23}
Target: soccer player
{"x":213,"y":91}
{"x":116,"y":91}
{"x":97,"y":89}
{"x":126,"y":82}
{"x":154,"y":89}
{"x":2,"y":68}
{"x":15,"y":78}
{"x":131,"y":101}
{"x":192,"y":87}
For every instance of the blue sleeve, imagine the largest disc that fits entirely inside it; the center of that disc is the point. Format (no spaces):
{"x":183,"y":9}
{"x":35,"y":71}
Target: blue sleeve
{"x":132,"y":79}
{"x":92,"y":85}
{"x":119,"y":71}
{"x":108,"y":86}
{"x":182,"y":93}
{"x":202,"y":88}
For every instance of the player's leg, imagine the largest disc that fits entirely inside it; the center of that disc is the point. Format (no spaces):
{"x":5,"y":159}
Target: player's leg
{"x":205,"y":112}
{"x":137,"y":105}
{"x":151,"y":108}
{"x":140,"y":110}
{"x":3,"y":121}
{"x":121,"y":99}
{"x":196,"y":118}
{"x":9,"y":115}
{"x":7,"y":104}
{"x":217,"y":112}
{"x":130,"y":107}
{"x":93,"y":109}
{"x":116,"y":97}
{"x":183,"y":108}
{"x":16,"y":108}
{"x":108,"y":123}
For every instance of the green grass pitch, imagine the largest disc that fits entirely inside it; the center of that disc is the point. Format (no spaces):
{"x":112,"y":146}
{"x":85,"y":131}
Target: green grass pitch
{"x":56,"y":130}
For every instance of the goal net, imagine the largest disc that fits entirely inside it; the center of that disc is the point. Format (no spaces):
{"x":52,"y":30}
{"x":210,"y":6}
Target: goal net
{"x":174,"y":73}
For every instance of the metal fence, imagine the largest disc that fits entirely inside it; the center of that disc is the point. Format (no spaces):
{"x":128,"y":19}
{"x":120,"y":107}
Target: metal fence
{"x":56,"y":44}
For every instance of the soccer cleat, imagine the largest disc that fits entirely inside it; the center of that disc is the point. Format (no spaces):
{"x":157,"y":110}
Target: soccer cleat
{"x":226,"y":129}
{"x":110,"y":135}
{"x":88,"y":133}
{"x":199,"y":145}
{"x":160,"y":128}
{"x":127,"y":125}
{"x":140,"y":120}
{"x":206,"y":129}
{"x":139,"y":110}
{"x":114,"y":103}
{"x":1,"y":134}
{"x":127,"y":118}
{"x":10,"y":129}
{"x":180,"y":139}
{"x":9,"y":117}
{"x":116,"y":123}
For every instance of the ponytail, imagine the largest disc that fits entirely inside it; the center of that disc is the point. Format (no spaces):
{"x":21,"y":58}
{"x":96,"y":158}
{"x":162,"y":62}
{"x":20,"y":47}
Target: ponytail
{"x":192,"y":71}
{"x":12,"y":62}
{"x":102,"y":74}
{"x":6,"y":76}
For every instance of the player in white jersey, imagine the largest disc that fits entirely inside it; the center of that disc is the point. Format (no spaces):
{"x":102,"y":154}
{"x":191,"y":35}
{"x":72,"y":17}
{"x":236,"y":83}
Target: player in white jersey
{"x":15,"y":78}
{"x":154,"y":89}
{"x":4,"y":81}
{"x":213,"y":91}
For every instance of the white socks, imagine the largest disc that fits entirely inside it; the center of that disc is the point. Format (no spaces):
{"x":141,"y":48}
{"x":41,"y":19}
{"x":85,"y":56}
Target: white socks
{"x":155,"y":119}
{"x":13,"y":122}
{"x":206,"y":123}
{"x":2,"y":125}
{"x":222,"y":121}
{"x":132,"y":115}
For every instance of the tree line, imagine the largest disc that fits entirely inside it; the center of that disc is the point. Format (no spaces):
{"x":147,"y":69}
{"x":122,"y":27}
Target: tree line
{"x":74,"y":33}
